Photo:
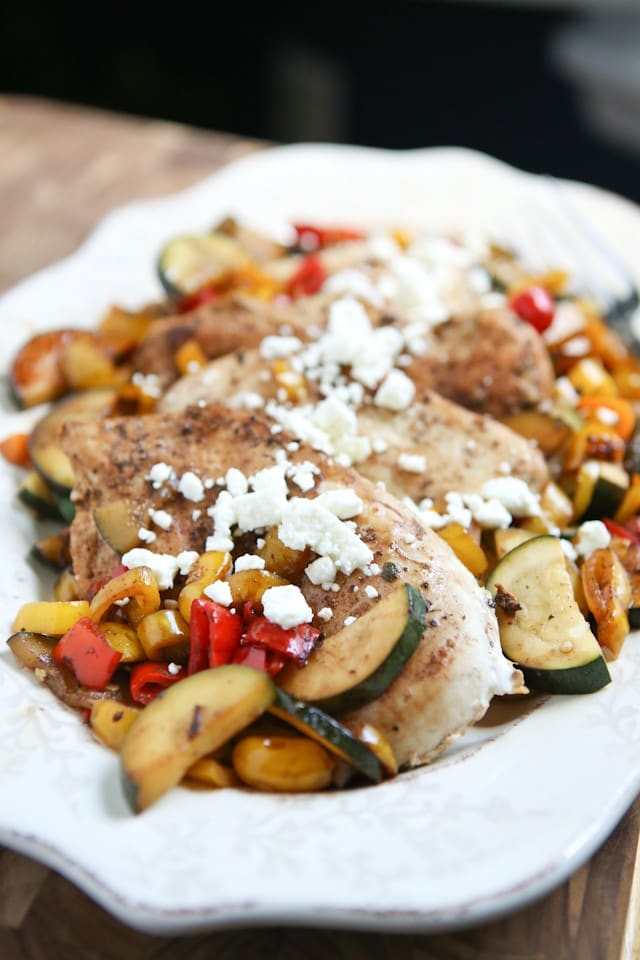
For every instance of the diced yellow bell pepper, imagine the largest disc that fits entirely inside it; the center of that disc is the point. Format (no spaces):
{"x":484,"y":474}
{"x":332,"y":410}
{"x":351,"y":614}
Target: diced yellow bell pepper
{"x":607,"y":591}
{"x":123,"y":638}
{"x":111,"y":720}
{"x":50,"y":617}
{"x":210,"y":773}
{"x":465,"y":547}
{"x":160,"y":630}
{"x":210,"y":566}
{"x":139,"y":586}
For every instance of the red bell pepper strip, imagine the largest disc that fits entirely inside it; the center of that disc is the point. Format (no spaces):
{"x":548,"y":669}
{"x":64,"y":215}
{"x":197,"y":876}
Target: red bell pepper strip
{"x":147,"y":680}
{"x":198,"y":299}
{"x":260,"y":659}
{"x":85,"y":650}
{"x":317,"y":238}
{"x":308,"y":278}
{"x":97,"y":585}
{"x":535,"y":305}
{"x":255,"y":657}
{"x":215,"y":635}
{"x":616,"y":530}
{"x":294,"y":644}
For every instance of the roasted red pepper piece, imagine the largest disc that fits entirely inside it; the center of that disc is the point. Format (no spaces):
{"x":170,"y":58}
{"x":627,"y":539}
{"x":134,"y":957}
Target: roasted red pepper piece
{"x":535,"y":305}
{"x":316,"y":238}
{"x":198,"y":299}
{"x":85,"y":650}
{"x":215,"y":635}
{"x":260,"y":659}
{"x":97,"y":585}
{"x":149,"y":679}
{"x":308,"y":278}
{"x":621,"y":531}
{"x":294,"y":644}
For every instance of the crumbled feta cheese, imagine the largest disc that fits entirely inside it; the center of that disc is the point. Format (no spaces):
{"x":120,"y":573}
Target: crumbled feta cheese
{"x":568,"y":549}
{"x":174,"y":669}
{"x":249,"y":561}
{"x":343,"y":502}
{"x":275,"y":348}
{"x":396,"y":392}
{"x":592,"y":535}
{"x":323,"y":571}
{"x":456,"y":510}
{"x":159,"y":474}
{"x":286,"y":606}
{"x":307,"y":523}
{"x":479,"y":280}
{"x":412,"y":462}
{"x":195,"y":515}
{"x":371,"y":592}
{"x":220,"y":592}
{"x":149,"y":384}
{"x":161,"y":518}
{"x":354,"y":283}
{"x":379,"y":445}
{"x":325,"y":613}
{"x":147,"y":536}
{"x":186,"y":559}
{"x":271,"y":479}
{"x":349,"y":620}
{"x":490,"y":514}
{"x":382,"y":248}
{"x":264,"y":508}
{"x":191,"y":487}
{"x":246,"y":400}
{"x":163,"y":566}
{"x":236,"y":482}
{"x":223,"y":515}
{"x":514,"y":495}
{"x":303,"y":479}
{"x":372,"y":570}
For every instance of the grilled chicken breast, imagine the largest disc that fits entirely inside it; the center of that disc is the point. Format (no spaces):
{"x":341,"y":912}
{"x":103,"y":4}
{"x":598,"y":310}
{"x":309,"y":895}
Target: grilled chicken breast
{"x":458,"y":667}
{"x":462,"y":449}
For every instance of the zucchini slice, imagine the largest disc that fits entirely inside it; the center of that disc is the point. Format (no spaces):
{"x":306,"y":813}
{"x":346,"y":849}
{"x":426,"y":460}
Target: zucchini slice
{"x":47,"y":455}
{"x":600,"y":489}
{"x":34,"y":493}
{"x":117,"y":525}
{"x":541,"y":627}
{"x":318,"y":725}
{"x":358,"y":663}
{"x":188,"y":263}
{"x":188,"y":721}
{"x":53,"y":551}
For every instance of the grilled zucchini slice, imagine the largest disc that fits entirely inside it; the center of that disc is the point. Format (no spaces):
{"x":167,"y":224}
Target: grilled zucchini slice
{"x":541,"y":627}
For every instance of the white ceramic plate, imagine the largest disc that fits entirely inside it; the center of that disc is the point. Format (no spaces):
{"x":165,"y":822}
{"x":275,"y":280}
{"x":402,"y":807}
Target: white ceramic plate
{"x":508,"y":813}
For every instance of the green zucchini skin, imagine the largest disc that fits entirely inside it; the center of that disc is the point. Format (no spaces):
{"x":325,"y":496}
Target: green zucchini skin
{"x":570,"y":681}
{"x":35,"y":494}
{"x":320,"y":726}
{"x":45,"y":451}
{"x":349,"y":642}
{"x":533,"y":635}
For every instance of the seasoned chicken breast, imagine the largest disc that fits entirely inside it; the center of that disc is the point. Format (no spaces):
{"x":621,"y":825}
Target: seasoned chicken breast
{"x":487,"y":360}
{"x":462,"y":450}
{"x":458,"y":667}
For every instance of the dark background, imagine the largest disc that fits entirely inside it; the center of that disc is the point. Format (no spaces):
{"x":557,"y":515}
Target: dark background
{"x":396,"y":74}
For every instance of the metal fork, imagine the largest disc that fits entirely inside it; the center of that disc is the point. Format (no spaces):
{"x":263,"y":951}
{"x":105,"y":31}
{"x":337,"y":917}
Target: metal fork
{"x":557,"y":234}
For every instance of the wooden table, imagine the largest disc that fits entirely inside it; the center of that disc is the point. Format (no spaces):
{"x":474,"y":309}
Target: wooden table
{"x":61,"y":169}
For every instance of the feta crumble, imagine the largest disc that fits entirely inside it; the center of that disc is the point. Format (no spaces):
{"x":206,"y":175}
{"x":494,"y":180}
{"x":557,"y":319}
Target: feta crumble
{"x":220,"y":592}
{"x":286,"y":606}
{"x":248,"y":561}
{"x":412,"y":462}
{"x":191,"y":487}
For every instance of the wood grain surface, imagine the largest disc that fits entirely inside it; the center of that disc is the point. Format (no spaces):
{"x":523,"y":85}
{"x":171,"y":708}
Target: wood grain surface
{"x":61,"y":169}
